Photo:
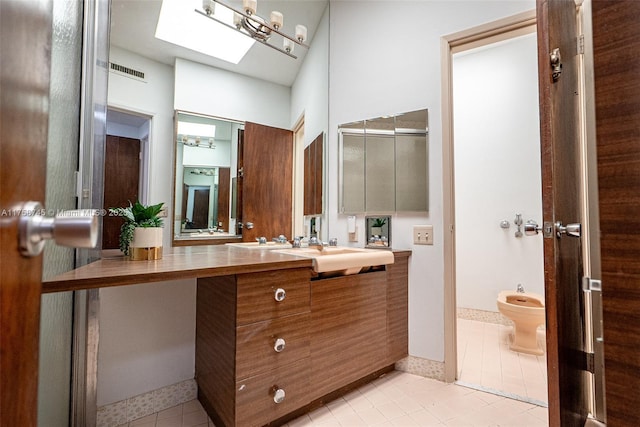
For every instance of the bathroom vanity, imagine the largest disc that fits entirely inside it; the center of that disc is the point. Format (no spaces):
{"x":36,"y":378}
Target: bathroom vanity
{"x":273,"y":339}
{"x":271,"y":345}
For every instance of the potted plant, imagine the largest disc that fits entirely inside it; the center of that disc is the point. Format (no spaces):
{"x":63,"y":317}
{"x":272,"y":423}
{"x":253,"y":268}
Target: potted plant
{"x":376,"y":227}
{"x":141,"y":233}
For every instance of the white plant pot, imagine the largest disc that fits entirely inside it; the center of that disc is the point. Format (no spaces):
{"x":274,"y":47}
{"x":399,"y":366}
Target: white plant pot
{"x":146,"y":243}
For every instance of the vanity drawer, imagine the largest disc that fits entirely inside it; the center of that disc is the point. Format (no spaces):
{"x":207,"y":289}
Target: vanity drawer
{"x":255,"y":404}
{"x":257,"y":344}
{"x":266,"y":295}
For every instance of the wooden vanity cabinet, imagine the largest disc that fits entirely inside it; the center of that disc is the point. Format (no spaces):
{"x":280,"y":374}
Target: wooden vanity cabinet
{"x":337,"y":331}
{"x":239,"y":369}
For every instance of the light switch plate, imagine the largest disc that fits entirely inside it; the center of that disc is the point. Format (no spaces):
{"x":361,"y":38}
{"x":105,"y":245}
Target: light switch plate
{"x":423,"y":234}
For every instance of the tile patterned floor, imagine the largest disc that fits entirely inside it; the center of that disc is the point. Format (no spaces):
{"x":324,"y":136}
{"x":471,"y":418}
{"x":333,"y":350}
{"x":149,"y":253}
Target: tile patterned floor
{"x":396,"y":399}
{"x":484,"y":360}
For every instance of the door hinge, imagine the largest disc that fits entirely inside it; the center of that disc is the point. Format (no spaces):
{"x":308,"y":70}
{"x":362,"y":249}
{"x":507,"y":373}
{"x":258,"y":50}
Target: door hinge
{"x":581,"y":44}
{"x":590,"y":364}
{"x":589,"y":284}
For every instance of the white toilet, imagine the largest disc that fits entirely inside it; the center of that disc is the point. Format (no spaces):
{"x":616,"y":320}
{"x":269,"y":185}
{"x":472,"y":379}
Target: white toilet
{"x":526,"y":310}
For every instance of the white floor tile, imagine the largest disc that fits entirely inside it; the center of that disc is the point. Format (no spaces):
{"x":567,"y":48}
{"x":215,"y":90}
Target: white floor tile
{"x":426,"y":403}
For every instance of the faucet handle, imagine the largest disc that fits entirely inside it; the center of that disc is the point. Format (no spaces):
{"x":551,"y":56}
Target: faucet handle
{"x":333,"y":241}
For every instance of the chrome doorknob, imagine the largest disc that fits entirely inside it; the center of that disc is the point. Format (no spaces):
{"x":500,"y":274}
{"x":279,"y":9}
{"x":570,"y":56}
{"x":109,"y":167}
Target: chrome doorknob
{"x":573,"y":230}
{"x":531,"y":228}
{"x":248,"y":225}
{"x":73,"y":228}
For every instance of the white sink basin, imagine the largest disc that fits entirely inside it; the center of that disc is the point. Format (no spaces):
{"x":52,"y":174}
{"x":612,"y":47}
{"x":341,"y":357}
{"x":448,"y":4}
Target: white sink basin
{"x":256,"y":245}
{"x":342,"y":260}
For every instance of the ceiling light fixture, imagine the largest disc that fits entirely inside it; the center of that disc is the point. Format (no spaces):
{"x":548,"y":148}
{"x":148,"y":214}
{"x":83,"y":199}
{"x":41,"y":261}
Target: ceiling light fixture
{"x":251,"y":25}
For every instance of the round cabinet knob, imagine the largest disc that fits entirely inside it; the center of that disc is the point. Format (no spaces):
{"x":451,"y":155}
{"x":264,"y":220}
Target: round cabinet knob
{"x":278,"y":395}
{"x":279,"y":345}
{"x":280,"y":294}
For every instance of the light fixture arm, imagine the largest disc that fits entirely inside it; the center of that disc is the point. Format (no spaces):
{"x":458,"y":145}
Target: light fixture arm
{"x":261,"y":22}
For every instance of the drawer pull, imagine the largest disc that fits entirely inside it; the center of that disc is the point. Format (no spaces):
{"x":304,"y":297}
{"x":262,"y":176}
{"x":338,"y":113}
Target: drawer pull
{"x":280,"y":294}
{"x":279,"y":345}
{"x":278,"y":395}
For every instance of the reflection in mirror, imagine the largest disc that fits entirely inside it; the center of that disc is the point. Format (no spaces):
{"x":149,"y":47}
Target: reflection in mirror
{"x":378,"y":231}
{"x":205,"y":170}
{"x":384,"y":165}
{"x":314,"y":177}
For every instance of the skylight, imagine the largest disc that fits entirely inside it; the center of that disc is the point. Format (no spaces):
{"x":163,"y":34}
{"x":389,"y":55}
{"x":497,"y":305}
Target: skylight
{"x":179,"y":24}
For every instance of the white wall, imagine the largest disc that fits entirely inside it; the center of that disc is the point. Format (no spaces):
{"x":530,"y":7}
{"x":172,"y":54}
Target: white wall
{"x":310,"y":91}
{"x":147,"y":336}
{"x":497,"y":164}
{"x":384,"y":59}
{"x":215,"y":92}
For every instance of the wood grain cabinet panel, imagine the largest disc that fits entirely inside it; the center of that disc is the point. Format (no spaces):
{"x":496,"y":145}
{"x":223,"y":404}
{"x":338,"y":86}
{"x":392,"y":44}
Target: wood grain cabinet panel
{"x":348,"y":328}
{"x":257,"y":294}
{"x":255,"y":344}
{"x":255,"y":405}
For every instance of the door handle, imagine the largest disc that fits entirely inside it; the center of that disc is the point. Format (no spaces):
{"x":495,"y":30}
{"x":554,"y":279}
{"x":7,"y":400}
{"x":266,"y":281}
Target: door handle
{"x":573,"y":230}
{"x":248,"y":225}
{"x":531,"y":228}
{"x":73,"y":228}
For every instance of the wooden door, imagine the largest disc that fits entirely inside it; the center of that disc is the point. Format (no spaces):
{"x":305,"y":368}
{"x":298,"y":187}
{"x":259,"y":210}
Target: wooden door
{"x":201,"y":208}
{"x":121,"y":183}
{"x":616,"y":49}
{"x":567,"y":379}
{"x":268,"y":182}
{"x":224,"y":194}
{"x":25,"y":49}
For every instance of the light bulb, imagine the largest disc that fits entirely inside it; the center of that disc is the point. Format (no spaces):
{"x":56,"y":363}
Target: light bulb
{"x":288,"y":45}
{"x":301,"y":33}
{"x":276,"y":19}
{"x":209,"y":6}
{"x":250,"y":6}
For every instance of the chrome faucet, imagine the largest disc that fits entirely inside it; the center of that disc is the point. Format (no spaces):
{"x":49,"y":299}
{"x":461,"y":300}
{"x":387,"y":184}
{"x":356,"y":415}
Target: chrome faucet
{"x":280,"y":239}
{"x":520,"y":288}
{"x":314,"y":242}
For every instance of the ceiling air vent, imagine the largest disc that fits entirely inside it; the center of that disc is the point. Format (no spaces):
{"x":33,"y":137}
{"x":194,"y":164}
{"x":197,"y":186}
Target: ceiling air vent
{"x":126,"y":71}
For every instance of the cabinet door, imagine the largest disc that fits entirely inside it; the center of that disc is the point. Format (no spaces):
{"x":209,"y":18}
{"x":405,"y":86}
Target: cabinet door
{"x":411,"y":173}
{"x":352,"y":173}
{"x":348,"y":330}
{"x":380,"y":173}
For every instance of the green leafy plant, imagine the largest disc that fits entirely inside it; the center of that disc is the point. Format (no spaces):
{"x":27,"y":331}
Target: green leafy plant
{"x":379,"y":222}
{"x":136,"y":215}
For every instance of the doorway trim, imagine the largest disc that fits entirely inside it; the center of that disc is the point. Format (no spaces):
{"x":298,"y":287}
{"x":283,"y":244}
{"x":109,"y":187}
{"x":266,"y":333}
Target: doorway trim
{"x":450,"y":44}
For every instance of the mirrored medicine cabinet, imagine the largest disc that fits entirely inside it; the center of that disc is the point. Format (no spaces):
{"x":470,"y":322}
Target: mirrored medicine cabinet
{"x":384,"y":164}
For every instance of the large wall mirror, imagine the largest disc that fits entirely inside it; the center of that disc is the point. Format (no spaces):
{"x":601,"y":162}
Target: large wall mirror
{"x":384,"y":164}
{"x":206,"y":199}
